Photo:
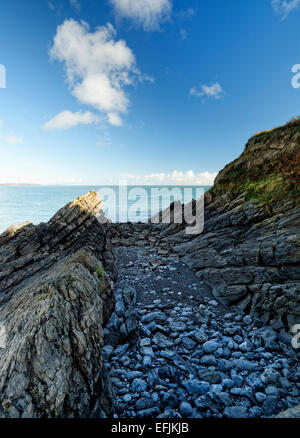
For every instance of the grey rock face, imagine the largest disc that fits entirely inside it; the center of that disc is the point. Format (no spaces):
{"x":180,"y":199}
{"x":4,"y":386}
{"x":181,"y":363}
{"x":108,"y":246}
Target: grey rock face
{"x":248,"y":252}
{"x":52,"y":364}
{"x":55,"y":299}
{"x":233,"y":260}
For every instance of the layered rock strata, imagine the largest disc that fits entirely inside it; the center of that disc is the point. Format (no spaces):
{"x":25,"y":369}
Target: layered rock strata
{"x":55,"y":299}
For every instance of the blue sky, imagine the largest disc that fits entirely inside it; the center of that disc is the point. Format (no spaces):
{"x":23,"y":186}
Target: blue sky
{"x":153,"y":91}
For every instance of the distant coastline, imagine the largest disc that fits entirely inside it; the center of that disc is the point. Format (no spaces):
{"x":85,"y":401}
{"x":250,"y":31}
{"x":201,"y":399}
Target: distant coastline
{"x":101,"y":185}
{"x":18,"y":184}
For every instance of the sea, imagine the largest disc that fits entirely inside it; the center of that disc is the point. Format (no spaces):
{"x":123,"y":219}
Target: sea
{"x":36,"y":204}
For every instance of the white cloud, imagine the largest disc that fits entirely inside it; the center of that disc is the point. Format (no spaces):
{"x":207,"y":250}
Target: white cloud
{"x":98,"y":67}
{"x":205,"y":92}
{"x":13,"y":139}
{"x":284,"y":7}
{"x":147,"y":13}
{"x":67,"y":120}
{"x":75,"y":5}
{"x":174,"y":178}
{"x":114,"y":119}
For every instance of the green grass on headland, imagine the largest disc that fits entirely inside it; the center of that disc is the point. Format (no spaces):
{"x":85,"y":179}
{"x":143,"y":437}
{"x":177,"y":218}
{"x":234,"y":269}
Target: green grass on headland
{"x":268,"y":170}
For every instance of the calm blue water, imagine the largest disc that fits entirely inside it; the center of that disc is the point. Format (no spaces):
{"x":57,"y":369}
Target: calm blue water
{"x":36,"y":204}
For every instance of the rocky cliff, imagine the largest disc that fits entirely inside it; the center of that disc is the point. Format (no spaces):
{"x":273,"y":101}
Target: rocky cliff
{"x":249,"y":250}
{"x":58,"y":310}
{"x":55,"y":298}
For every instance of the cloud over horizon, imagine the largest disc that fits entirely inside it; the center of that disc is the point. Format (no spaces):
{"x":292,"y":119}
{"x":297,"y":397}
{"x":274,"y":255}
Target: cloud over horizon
{"x":174,"y":178}
{"x":146,"y":13}
{"x":98,"y":67}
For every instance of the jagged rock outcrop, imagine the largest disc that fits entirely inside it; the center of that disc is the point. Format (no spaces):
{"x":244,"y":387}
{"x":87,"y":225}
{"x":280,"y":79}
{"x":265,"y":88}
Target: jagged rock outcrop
{"x":55,"y":299}
{"x":249,"y":250}
{"x":28,"y":249}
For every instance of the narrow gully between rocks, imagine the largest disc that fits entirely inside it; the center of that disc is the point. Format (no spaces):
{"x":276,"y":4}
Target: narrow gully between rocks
{"x":172,"y":351}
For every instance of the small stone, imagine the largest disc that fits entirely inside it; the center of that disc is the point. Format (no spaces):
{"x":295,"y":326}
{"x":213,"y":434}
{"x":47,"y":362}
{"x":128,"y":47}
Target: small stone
{"x":255,"y":412}
{"x":238,"y":339}
{"x":129,"y":294}
{"x":131,"y":375}
{"x":211,"y":346}
{"x":200,"y":337}
{"x":121,"y":349}
{"x":243,"y":364}
{"x":260,"y":397}
{"x":225,"y":365}
{"x":272,"y":390}
{"x":120,"y":308}
{"x":145,"y":342}
{"x":162,"y":341}
{"x":247,"y":320}
{"x":244,"y":347}
{"x":224,"y":398}
{"x":151,"y":326}
{"x":144,"y":403}
{"x":270,"y":375}
{"x":148,"y":413}
{"x":228,"y":383}
{"x":107,"y":351}
{"x":188,"y":343}
{"x":139,"y":385}
{"x":147,"y":361}
{"x":196,"y":387}
{"x":219,"y":353}
{"x":185,"y":409}
{"x":153,"y":316}
{"x":270,"y":405}
{"x":235,"y":412}
{"x":155,"y":397}
{"x":209,"y":376}
{"x":209,"y":360}
{"x":147,"y":351}
{"x":168,"y":354}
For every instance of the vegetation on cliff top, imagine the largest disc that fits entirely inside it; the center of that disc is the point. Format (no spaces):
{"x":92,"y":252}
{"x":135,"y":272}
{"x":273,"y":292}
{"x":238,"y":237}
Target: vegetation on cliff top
{"x":268,"y":170}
